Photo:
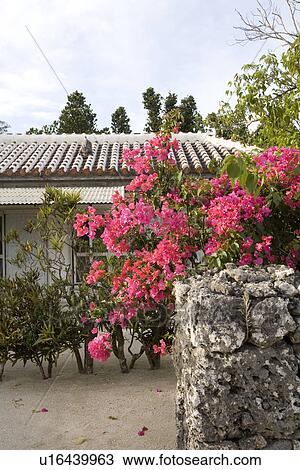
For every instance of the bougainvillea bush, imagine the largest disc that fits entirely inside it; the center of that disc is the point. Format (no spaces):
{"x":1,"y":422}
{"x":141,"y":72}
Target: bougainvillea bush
{"x":153,"y":235}
{"x":253,"y":211}
{"x":248,"y":214}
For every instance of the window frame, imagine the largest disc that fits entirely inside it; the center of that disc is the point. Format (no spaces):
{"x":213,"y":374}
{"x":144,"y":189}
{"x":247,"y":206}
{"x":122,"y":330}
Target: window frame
{"x":92,"y":256}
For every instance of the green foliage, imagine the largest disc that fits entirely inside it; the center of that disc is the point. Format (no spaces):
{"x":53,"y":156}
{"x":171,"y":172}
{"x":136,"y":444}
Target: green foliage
{"x":171,"y":120}
{"x":53,"y":224}
{"x":152,"y":102}
{"x":120,"y":121}
{"x":46,"y":129}
{"x":240,"y":169}
{"x":191,"y":119}
{"x":104,"y":130}
{"x":170,"y":102}
{"x":267,"y":94}
{"x":228,"y":124}
{"x":199,"y":123}
{"x":77,"y":116}
{"x":53,"y":310}
{"x":275,"y":183}
{"x":34,"y":325}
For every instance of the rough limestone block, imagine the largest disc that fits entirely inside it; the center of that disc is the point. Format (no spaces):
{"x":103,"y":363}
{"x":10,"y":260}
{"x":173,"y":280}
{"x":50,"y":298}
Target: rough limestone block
{"x":260,"y":289}
{"x":286,"y":289}
{"x":295,"y":336}
{"x":212,"y":318}
{"x":237,"y":357}
{"x":270,"y":321}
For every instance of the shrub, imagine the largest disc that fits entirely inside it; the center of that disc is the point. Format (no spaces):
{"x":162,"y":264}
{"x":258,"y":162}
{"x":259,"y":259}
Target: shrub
{"x":154,"y":235}
{"x":34,"y":326}
{"x":249,"y":214}
{"x":65,"y":302}
{"x":253,"y":210}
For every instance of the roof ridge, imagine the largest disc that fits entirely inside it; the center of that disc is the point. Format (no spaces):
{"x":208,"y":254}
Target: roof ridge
{"x":120,"y":138}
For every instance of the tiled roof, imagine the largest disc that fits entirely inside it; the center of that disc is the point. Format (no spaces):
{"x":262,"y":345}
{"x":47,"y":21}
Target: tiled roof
{"x":67,"y":155}
{"x":34,"y":195}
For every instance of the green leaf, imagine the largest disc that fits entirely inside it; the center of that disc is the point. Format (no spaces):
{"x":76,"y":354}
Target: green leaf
{"x":251,"y":183}
{"x":234,"y":170}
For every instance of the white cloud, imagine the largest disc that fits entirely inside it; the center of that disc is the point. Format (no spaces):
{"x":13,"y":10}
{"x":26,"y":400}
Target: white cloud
{"x":112,"y":51}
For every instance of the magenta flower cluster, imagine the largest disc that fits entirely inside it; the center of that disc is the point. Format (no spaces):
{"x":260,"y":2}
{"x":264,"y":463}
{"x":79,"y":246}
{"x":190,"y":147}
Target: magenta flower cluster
{"x":100,"y":348}
{"x":235,"y":215}
{"x":153,"y":230}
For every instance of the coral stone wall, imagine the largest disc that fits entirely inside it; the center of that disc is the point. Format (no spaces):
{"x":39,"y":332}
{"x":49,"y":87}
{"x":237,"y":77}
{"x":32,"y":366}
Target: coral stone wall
{"x":237,"y":358}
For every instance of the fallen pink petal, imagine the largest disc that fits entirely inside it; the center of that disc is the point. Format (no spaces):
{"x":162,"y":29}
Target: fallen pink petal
{"x":158,"y":390}
{"x":144,"y":428}
{"x":44,"y":410}
{"x":141,"y":433}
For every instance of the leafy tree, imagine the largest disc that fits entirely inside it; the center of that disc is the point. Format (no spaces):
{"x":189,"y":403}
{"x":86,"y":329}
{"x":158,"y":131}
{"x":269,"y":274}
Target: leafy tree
{"x":3,"y":127}
{"x":228,"y":124}
{"x":170,"y":102}
{"x":77,"y":116}
{"x":120,"y":121}
{"x":46,"y":255}
{"x":152,"y":103}
{"x":199,"y":123}
{"x":171,"y":121}
{"x":34,"y":325}
{"x":46,"y":129}
{"x":104,"y":130}
{"x":192,"y":120}
{"x":267,"y":96}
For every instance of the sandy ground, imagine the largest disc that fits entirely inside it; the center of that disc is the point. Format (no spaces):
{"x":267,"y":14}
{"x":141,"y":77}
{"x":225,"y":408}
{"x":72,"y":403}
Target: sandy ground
{"x":100,"y":411}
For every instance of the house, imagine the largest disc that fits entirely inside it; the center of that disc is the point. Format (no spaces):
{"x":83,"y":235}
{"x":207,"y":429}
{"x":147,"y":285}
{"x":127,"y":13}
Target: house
{"x":90,"y":164}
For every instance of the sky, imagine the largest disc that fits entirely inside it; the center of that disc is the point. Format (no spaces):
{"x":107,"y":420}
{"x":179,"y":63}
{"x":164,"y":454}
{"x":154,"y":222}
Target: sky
{"x":111,"y":51}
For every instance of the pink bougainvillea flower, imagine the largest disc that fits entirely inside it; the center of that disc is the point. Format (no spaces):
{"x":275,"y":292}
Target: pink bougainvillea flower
{"x":94,"y":331}
{"x":95,"y":273}
{"x":152,"y":228}
{"x":142,"y":431}
{"x":162,"y":349}
{"x":246,"y":259}
{"x":92,"y":306}
{"x":83,"y":319}
{"x":100,"y":348}
{"x":247,"y":244}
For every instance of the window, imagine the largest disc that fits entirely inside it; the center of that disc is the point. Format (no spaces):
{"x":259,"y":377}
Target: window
{"x":2,"y":258}
{"x":84,"y":253}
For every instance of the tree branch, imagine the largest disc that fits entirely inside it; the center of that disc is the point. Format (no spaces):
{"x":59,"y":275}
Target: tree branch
{"x":267,"y":22}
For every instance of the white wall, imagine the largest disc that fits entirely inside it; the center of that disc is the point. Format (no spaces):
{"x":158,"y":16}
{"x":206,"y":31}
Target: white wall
{"x":16,"y":218}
